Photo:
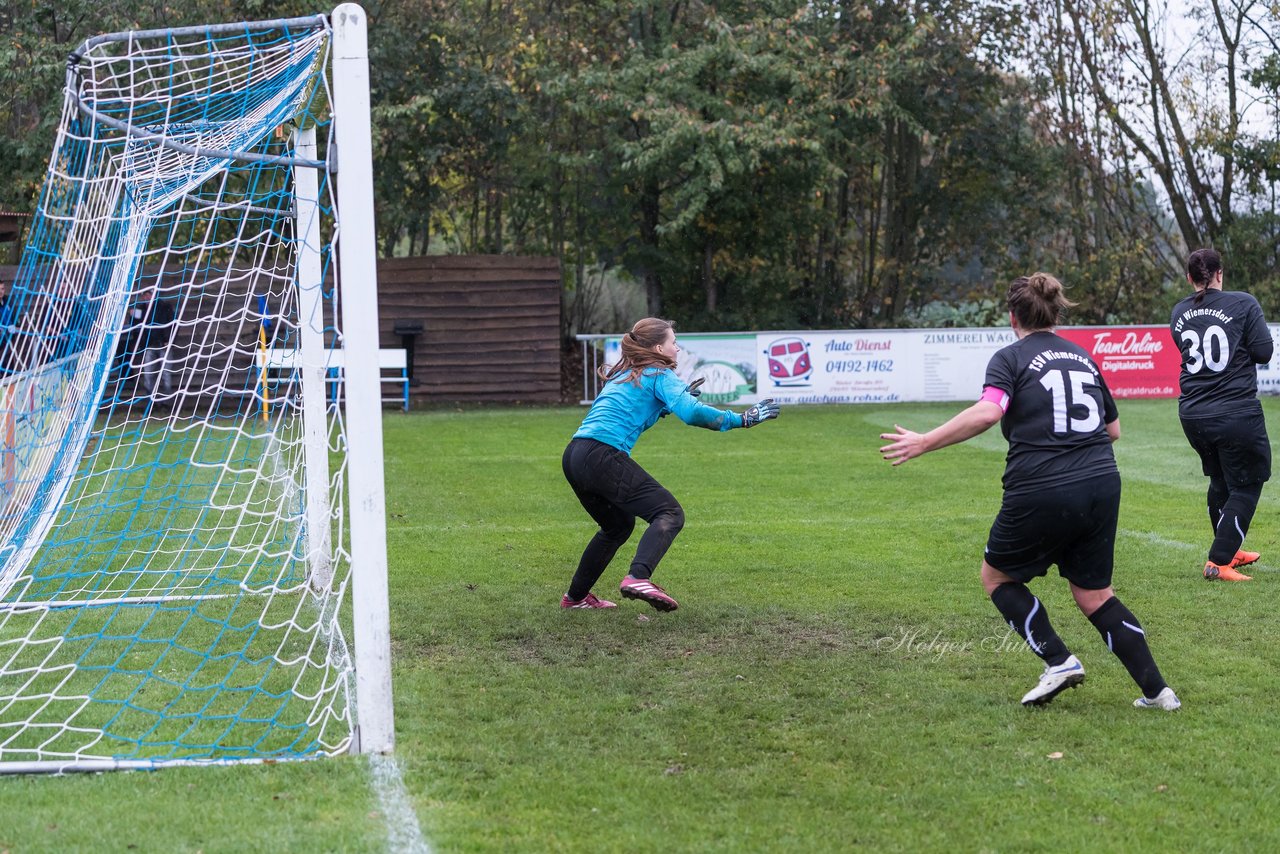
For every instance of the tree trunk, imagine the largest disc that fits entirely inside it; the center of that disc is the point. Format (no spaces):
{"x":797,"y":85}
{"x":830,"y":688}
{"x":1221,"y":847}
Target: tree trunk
{"x":708,"y":275}
{"x":649,"y":213}
{"x":902,"y":165}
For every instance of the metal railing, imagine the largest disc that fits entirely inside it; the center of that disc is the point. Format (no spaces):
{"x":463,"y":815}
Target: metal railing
{"x":592,"y":359}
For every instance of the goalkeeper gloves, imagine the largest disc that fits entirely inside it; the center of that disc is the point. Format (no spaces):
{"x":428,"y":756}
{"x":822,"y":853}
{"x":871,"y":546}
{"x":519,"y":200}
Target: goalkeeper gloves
{"x":762,"y":411}
{"x":695,"y":388}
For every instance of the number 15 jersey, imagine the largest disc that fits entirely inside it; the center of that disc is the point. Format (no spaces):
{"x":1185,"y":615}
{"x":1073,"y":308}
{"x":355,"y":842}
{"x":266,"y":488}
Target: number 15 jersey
{"x":1222,"y":337}
{"x":1059,"y":407}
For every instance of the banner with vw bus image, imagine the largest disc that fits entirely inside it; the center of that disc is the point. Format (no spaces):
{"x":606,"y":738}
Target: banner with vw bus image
{"x":876,"y":366}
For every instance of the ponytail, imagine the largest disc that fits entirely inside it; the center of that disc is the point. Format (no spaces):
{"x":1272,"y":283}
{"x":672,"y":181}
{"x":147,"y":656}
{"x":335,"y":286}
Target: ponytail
{"x":1203,"y":266}
{"x":638,"y":351}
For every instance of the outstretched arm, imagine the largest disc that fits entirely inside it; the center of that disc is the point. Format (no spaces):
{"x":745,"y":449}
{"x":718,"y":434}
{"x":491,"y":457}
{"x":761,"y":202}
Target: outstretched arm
{"x":683,"y":401}
{"x":905,"y":445}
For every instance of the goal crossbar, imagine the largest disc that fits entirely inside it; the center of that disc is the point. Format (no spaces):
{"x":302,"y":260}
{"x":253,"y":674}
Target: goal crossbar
{"x":196,"y":151}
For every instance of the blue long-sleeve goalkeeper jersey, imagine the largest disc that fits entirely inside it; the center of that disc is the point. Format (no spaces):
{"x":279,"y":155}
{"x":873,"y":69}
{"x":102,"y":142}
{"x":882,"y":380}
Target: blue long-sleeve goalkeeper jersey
{"x":624,"y":410}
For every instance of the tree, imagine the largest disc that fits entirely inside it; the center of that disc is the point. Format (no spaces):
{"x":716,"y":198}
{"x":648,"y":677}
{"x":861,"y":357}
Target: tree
{"x":1183,"y":114}
{"x":956,"y":186}
{"x":35,"y":40}
{"x":726,"y":125}
{"x":786,"y":163}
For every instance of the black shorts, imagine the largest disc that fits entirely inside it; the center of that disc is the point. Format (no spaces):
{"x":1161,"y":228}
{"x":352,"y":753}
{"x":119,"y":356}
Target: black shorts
{"x":1073,"y":526}
{"x":1233,"y":448}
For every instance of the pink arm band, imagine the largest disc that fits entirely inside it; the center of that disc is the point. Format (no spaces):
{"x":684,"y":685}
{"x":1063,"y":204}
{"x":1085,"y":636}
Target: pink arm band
{"x":998,"y":397}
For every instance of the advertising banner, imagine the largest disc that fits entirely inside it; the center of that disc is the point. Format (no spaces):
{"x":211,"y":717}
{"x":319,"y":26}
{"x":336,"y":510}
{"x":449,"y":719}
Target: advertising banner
{"x":1136,"y":361}
{"x":908,"y":365}
{"x":1269,"y":374}
{"x":726,"y":362}
{"x":876,"y":366}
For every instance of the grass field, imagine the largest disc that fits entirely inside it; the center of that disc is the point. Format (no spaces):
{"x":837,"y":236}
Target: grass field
{"x":834,"y":680}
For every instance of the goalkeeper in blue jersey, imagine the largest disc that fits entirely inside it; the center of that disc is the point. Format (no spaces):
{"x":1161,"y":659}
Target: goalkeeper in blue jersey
{"x":641,"y":388}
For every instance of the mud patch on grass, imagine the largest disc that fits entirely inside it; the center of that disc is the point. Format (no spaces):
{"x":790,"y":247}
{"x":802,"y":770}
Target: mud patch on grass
{"x":746,"y":636}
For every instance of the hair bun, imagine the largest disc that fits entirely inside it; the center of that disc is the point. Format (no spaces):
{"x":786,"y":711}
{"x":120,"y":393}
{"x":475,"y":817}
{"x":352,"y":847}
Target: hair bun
{"x":1045,"y":285}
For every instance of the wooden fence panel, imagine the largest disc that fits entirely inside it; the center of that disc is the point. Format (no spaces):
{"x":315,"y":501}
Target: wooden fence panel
{"x":491,"y":326}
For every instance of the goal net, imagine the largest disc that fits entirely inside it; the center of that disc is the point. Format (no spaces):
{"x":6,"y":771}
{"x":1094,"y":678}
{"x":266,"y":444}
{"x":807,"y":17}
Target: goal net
{"x":191,"y":525}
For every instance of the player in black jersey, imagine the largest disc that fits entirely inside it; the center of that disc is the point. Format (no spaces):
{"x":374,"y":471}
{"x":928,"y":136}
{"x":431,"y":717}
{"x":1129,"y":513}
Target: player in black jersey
{"x":1061,"y":491}
{"x":1223,"y":338}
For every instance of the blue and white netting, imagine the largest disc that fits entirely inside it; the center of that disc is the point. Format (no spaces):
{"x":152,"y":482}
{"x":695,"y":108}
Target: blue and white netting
{"x":163,"y":596}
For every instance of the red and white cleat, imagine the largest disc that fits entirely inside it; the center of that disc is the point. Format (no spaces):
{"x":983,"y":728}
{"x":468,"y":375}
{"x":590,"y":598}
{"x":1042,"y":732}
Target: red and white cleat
{"x":646,"y":591}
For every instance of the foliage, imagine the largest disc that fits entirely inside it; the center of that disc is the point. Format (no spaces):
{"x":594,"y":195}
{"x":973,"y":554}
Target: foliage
{"x":1252,"y":246}
{"x":784,"y":163}
{"x":36,"y":36}
{"x":1176,"y":109}
{"x":957,"y":314}
{"x":732,"y":137}
{"x":793,"y":165}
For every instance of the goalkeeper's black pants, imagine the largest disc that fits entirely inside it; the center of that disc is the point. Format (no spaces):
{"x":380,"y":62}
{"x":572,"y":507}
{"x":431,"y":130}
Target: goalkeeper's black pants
{"x":615,"y":490}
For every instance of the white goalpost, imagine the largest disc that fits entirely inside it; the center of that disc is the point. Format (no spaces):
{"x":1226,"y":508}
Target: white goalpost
{"x":192,"y":535}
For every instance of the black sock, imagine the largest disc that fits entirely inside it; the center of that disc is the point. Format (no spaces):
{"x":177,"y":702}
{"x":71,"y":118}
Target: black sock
{"x":1125,"y":637}
{"x":1217,"y":497}
{"x":1236,"y":515}
{"x":1026,"y":616}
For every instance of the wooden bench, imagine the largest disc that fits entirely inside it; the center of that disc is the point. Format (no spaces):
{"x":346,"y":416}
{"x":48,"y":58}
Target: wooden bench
{"x":392,"y":364}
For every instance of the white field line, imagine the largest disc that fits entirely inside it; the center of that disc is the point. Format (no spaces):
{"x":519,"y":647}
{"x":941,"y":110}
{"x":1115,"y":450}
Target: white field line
{"x":403,"y":833}
{"x":1157,"y":540}
{"x":1200,"y":548}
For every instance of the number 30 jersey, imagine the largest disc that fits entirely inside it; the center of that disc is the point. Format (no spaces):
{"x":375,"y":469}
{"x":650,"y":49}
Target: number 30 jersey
{"x":1059,"y":407}
{"x":1222,"y":337}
